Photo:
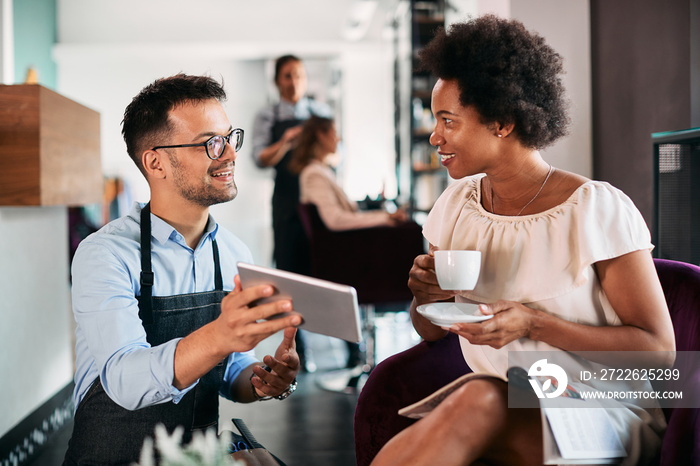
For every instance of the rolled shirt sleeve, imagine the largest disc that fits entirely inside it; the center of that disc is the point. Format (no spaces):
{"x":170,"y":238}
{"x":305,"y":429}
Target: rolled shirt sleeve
{"x":236,"y":363}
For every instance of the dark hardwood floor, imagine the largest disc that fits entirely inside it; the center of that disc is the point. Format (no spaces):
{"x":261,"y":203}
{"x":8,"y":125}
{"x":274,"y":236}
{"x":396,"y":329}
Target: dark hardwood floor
{"x":314,"y":426}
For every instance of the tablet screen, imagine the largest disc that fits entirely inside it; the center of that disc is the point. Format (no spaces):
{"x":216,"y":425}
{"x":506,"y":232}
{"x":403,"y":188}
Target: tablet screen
{"x":328,"y":308}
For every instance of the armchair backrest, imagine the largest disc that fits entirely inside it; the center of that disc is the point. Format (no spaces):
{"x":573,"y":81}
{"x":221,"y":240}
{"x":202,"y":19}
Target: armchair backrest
{"x":681,"y":284}
{"x":311,"y":221}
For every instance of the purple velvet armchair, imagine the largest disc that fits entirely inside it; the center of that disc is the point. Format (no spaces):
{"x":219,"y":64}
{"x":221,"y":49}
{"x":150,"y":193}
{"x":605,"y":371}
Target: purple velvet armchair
{"x":415,"y":373}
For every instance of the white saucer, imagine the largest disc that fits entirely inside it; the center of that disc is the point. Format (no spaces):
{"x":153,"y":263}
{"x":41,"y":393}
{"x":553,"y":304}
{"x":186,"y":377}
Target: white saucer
{"x":446,"y":314}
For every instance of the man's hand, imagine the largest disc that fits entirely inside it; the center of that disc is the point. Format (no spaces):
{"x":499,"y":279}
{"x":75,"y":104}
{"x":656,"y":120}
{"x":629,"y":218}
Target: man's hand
{"x":425,"y":288}
{"x":283,"y":367}
{"x":239,"y":328}
{"x":242,"y":325}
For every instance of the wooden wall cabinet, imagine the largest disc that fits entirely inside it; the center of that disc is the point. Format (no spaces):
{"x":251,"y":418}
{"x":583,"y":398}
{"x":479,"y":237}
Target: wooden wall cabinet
{"x":49,"y":149}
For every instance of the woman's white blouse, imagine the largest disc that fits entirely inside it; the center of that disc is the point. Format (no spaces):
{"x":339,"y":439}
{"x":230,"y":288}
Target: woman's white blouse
{"x":544,"y":260}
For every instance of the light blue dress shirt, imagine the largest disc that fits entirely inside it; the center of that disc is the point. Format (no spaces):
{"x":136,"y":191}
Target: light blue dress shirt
{"x":265,"y":119}
{"x":110,"y":339}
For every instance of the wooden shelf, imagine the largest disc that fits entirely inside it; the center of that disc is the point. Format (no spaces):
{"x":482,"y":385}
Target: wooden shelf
{"x":49,"y":149}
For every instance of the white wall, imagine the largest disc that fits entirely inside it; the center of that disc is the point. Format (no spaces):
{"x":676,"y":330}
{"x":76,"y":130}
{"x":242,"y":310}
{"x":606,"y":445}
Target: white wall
{"x":180,"y":21}
{"x":36,"y":359}
{"x":368,"y":121}
{"x":565,"y":25}
{"x":7,"y":60}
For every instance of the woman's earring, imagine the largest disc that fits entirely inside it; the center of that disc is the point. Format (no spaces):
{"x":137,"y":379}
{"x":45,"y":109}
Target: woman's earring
{"x":500,"y":135}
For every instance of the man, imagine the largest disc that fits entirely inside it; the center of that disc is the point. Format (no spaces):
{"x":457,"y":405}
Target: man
{"x":160,"y":334}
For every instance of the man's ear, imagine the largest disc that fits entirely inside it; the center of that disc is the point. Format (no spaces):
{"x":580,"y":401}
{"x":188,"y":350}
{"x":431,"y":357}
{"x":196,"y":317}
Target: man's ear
{"x":152,"y":164}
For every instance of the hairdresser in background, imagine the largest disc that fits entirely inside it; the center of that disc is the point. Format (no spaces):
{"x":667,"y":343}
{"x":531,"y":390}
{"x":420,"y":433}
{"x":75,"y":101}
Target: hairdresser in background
{"x":275,"y":131}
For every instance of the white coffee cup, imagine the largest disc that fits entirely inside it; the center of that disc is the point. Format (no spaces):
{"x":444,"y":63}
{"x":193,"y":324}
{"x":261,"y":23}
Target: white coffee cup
{"x":457,"y":269}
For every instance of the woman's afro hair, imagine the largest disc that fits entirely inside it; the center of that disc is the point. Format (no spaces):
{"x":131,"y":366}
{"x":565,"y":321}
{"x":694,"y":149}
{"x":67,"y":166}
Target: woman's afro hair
{"x":508,"y":74}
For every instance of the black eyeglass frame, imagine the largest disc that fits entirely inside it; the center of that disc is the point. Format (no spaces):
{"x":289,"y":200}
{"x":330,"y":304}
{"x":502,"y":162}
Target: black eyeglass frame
{"x":227,"y":138}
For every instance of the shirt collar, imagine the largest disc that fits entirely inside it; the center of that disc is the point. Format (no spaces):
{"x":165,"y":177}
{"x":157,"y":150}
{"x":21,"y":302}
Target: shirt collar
{"x":212,"y":228}
{"x":162,"y":231}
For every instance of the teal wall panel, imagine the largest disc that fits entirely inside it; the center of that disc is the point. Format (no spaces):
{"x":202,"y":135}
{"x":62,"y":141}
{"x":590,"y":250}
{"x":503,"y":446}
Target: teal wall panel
{"x":34,"y":36}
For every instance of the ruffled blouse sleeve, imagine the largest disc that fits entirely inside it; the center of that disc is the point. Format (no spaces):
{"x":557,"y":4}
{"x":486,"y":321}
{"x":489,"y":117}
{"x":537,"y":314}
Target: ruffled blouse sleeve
{"x":540,"y":256}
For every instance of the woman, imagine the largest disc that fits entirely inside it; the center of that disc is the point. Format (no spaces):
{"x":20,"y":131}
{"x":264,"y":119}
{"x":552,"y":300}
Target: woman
{"x":317,"y":184}
{"x":575,"y":251}
{"x":275,"y":131}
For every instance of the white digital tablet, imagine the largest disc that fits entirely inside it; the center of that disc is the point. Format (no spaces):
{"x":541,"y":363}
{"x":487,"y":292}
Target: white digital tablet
{"x":327,"y":308}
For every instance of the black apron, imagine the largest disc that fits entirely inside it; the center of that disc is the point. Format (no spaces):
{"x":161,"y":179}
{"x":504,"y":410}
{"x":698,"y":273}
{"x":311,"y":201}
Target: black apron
{"x":292,"y":251}
{"x":104,"y":433}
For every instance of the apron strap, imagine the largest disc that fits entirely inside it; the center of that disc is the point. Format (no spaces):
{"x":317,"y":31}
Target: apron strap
{"x":218,"y":281}
{"x":146,"y":280}
{"x":146,"y":302}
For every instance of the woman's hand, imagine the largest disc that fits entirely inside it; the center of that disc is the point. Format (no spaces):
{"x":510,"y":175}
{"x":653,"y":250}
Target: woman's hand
{"x":510,"y":321}
{"x":425,"y":288}
{"x":400,"y":216}
{"x":423,"y":282}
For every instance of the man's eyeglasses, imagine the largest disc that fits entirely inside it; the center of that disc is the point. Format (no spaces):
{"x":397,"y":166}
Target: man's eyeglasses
{"x":215,"y":145}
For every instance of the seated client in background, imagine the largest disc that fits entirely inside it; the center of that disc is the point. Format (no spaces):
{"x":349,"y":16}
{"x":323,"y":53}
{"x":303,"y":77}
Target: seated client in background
{"x":318,"y":185}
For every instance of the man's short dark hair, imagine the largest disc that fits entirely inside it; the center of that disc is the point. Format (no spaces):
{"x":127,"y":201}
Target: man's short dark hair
{"x":283,"y":60}
{"x":507,"y":73}
{"x":145,"y":122}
